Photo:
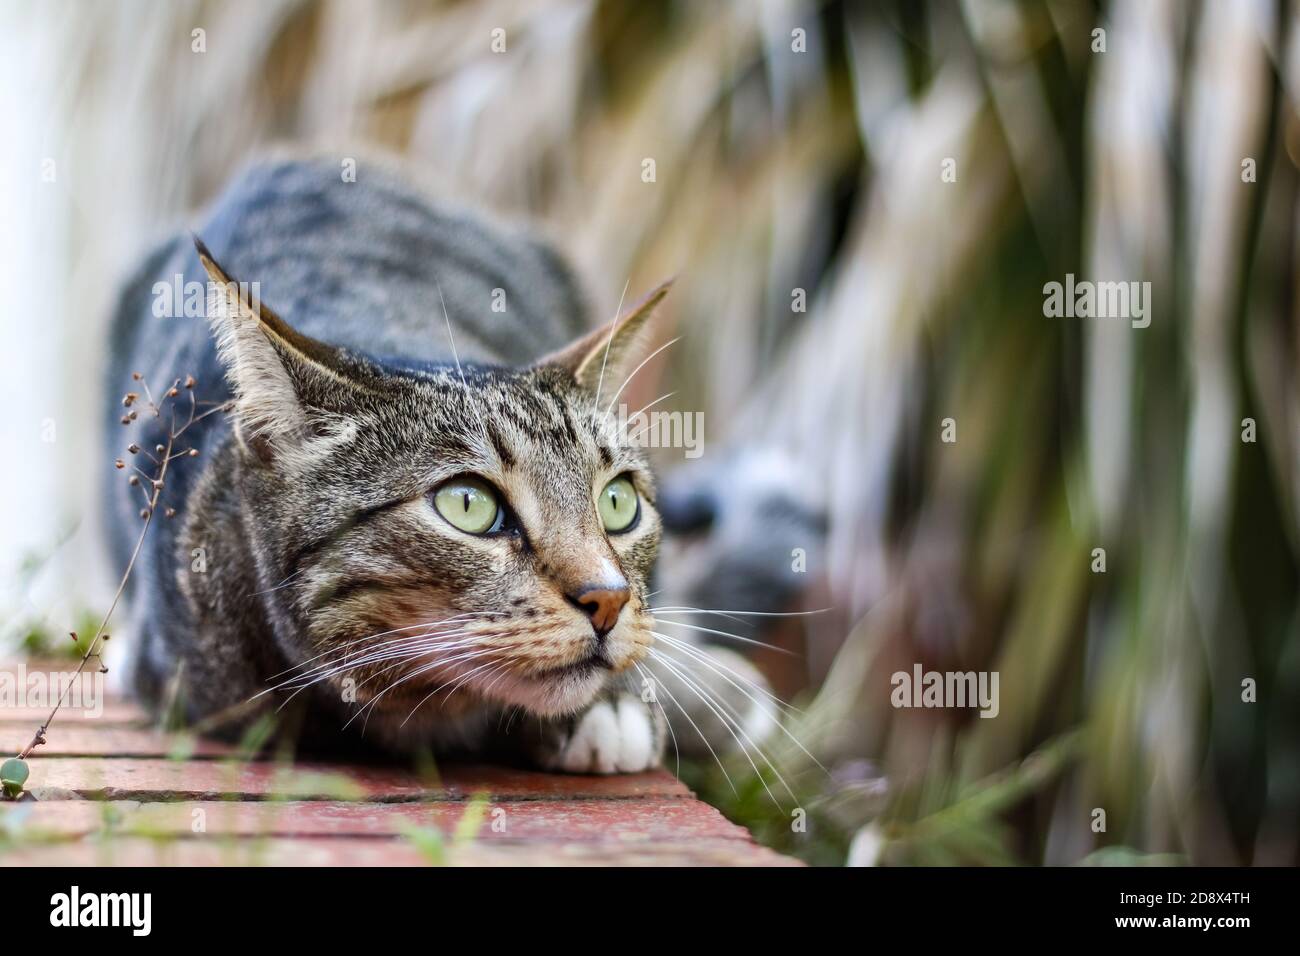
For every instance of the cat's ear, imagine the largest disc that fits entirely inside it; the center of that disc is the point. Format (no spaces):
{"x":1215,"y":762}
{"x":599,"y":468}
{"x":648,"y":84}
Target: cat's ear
{"x":288,"y":386}
{"x":606,"y":353}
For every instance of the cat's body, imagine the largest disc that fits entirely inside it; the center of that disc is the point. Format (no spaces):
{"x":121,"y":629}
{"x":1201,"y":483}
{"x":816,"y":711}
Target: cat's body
{"x":309,"y":532}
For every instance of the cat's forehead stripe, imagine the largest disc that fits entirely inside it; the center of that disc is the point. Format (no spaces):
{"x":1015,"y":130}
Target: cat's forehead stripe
{"x":500,"y":447}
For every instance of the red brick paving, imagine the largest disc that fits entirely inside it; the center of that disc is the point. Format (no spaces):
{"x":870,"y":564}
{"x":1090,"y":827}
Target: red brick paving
{"x":153,"y":778}
{"x":83,"y":739}
{"x":370,"y":851}
{"x":586,"y":821}
{"x":107,"y":793}
{"x":112,"y":712}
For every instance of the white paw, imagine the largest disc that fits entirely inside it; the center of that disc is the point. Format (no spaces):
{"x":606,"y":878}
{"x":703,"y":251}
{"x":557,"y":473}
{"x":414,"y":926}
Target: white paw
{"x":611,"y":738}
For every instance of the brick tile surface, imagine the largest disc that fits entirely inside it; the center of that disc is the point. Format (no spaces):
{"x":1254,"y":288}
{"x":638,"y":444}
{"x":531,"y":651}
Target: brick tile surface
{"x":374,"y":851}
{"x":81,"y":738}
{"x":110,"y":713}
{"x":110,"y":791}
{"x":581,"y":820}
{"x":152,"y":779}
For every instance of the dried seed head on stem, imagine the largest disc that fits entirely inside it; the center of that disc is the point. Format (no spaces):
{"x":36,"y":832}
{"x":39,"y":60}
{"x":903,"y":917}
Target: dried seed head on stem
{"x":166,"y":452}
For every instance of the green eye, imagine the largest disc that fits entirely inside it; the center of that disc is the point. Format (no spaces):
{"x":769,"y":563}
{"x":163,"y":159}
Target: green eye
{"x":618,"y":505}
{"x":470,"y":504}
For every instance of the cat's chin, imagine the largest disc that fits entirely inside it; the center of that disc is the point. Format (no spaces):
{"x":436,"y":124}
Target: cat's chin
{"x":551,"y":695}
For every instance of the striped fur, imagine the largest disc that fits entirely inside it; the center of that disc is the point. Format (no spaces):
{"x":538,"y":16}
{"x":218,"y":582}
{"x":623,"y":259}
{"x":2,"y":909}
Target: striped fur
{"x":374,"y":370}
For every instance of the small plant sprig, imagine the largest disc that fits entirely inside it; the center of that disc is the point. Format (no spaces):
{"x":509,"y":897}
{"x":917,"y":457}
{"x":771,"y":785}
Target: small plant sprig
{"x":14,"y":772}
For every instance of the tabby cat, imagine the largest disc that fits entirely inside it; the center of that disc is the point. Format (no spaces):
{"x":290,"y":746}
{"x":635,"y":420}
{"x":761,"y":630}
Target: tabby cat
{"x":416,"y":526}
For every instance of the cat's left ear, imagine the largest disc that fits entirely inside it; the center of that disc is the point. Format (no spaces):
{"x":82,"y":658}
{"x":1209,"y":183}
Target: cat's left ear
{"x":604,"y":354}
{"x":289,"y":388}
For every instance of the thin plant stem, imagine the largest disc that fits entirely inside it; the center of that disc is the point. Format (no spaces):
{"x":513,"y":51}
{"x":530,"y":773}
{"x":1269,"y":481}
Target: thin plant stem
{"x":151,"y":510}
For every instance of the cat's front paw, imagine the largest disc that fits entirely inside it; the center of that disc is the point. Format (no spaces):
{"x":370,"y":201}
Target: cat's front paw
{"x":618,"y":735}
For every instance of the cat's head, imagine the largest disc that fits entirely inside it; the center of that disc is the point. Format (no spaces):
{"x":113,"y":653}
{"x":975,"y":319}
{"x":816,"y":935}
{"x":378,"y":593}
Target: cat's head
{"x":449,"y":535}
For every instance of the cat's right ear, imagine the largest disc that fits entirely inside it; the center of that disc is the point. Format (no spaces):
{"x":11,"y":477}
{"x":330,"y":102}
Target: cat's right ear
{"x":289,"y":388}
{"x":605,"y":354}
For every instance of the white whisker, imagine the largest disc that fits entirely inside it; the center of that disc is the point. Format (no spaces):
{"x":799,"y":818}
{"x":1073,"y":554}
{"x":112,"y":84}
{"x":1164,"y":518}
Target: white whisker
{"x":703,"y":658}
{"x":460,"y":682}
{"x":403,"y":658}
{"x":644,"y":408}
{"x":280,"y":585}
{"x":683,"y":609}
{"x":732,"y":723}
{"x":734,"y":637}
{"x":456,"y":355}
{"x":684,"y":713}
{"x":667,"y":723}
{"x":384,"y":650}
{"x":432,"y":665}
{"x":613,"y":327}
{"x":397,"y":630}
{"x":637,"y":369}
{"x":440,"y":687}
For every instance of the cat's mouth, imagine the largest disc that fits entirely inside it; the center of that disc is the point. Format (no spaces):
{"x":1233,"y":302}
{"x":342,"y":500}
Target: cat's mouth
{"x":580,"y":668}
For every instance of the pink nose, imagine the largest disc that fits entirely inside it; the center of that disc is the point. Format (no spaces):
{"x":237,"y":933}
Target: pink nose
{"x":602,"y":603}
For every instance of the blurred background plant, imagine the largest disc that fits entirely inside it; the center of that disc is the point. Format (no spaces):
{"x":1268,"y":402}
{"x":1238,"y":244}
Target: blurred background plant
{"x":802,"y":146}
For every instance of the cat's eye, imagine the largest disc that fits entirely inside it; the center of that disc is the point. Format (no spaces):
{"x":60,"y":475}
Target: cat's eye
{"x":469,"y":504}
{"x":618,"y":505}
